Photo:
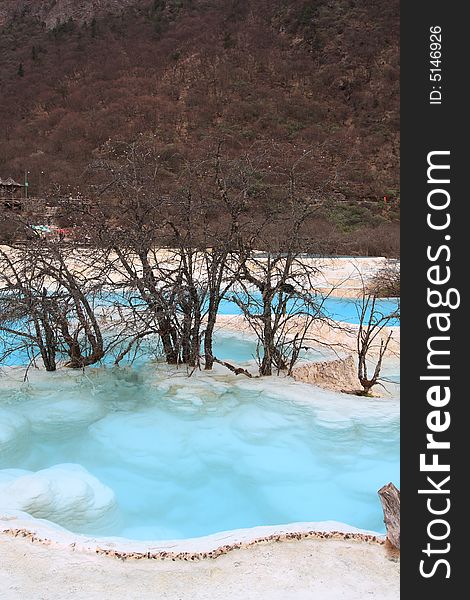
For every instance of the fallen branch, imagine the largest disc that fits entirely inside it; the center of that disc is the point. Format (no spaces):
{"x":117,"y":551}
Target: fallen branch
{"x":236,"y":370}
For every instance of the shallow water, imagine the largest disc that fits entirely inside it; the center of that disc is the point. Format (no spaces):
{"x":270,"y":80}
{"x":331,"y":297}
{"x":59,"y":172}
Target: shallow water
{"x":343,"y":309}
{"x":337,"y":309}
{"x":149,"y":454}
{"x":346,"y":310}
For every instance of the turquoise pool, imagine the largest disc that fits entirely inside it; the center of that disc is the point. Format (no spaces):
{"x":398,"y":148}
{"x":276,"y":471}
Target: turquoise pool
{"x":148,"y":453}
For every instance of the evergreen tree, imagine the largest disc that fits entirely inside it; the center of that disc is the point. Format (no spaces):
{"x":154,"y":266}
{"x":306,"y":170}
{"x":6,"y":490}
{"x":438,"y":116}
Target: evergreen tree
{"x":21,"y":70}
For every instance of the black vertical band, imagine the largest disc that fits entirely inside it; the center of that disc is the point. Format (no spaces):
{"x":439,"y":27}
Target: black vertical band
{"x":434,"y":113}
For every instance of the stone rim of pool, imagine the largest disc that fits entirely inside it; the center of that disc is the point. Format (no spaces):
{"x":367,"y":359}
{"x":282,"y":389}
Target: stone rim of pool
{"x":20,"y":524}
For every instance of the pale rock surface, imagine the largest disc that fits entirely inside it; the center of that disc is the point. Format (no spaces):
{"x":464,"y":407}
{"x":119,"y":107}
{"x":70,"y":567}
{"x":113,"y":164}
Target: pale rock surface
{"x":339,"y":375}
{"x":309,"y":569}
{"x":66,"y":494}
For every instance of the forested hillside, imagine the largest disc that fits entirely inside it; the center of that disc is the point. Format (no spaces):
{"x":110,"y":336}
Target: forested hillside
{"x":315,"y":76}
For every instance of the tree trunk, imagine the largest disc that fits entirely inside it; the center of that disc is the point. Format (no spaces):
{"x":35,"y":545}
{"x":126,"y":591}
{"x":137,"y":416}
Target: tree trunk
{"x":75,"y":354}
{"x":49,"y":351}
{"x":185,"y":341}
{"x":390,"y":498}
{"x":165,"y":331}
{"x":45,"y":343}
{"x":195,"y":346}
{"x":208,"y":342}
{"x":366,"y":383}
{"x":80,"y":362}
{"x":266,"y":368}
{"x":48,"y":359}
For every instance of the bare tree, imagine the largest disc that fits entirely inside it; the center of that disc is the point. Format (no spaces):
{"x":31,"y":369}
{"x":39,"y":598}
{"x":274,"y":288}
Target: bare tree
{"x":386,"y":283}
{"x":280,"y":303}
{"x":75,"y":288}
{"x":125,"y":217}
{"x":51,"y":294}
{"x":166,"y":245}
{"x":285,"y":302}
{"x":26,"y":317}
{"x":169,"y":243}
{"x":231,"y":181}
{"x":372,"y":340}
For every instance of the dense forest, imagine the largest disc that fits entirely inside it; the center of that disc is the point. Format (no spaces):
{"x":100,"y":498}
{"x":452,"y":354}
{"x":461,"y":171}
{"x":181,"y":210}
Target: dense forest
{"x":302,"y":77}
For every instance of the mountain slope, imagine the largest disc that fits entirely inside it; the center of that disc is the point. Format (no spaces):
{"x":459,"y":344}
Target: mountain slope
{"x":52,"y":12}
{"x":321,"y":73}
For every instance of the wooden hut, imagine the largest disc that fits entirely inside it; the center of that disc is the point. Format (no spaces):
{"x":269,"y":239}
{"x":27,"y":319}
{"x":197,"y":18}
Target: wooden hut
{"x":10,"y":193}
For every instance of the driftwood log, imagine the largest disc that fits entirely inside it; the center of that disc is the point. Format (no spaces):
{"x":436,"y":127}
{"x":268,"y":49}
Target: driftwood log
{"x":390,"y":498}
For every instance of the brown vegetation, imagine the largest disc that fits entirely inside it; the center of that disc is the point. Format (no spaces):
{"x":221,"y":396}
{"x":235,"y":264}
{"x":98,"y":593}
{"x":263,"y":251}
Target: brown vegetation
{"x":192,"y":73}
